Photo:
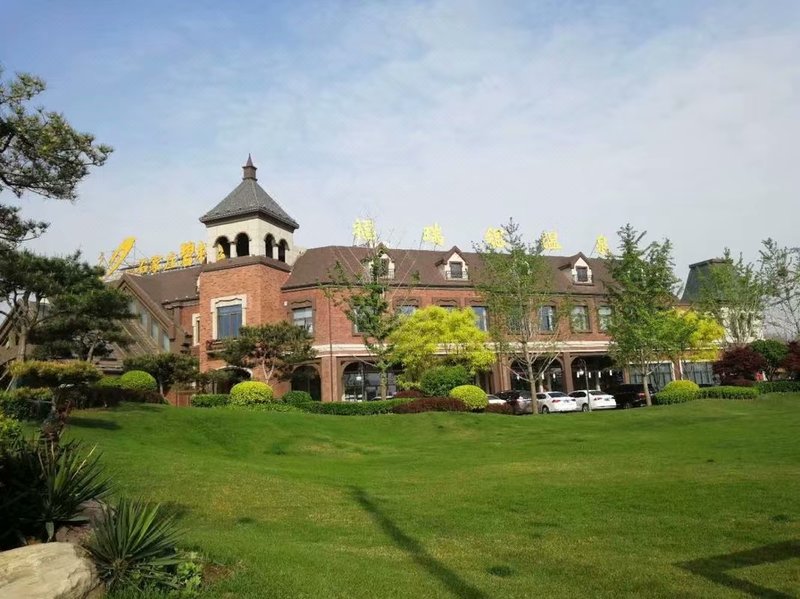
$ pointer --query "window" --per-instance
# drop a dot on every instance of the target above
(304, 318)
(455, 270)
(229, 321)
(448, 307)
(406, 309)
(195, 329)
(165, 341)
(699, 372)
(361, 320)
(604, 317)
(154, 330)
(481, 320)
(582, 274)
(580, 319)
(547, 319)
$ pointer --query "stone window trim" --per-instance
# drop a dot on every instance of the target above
(397, 303)
(196, 329)
(452, 303)
(228, 300)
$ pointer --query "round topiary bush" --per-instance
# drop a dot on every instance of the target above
(681, 386)
(297, 397)
(250, 392)
(138, 380)
(108, 382)
(473, 396)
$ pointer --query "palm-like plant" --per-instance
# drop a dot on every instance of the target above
(134, 544)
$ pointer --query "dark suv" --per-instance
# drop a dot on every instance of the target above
(630, 395)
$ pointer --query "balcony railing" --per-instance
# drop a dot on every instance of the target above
(456, 274)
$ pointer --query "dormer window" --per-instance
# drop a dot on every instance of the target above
(582, 274)
(383, 265)
(456, 270)
(453, 267)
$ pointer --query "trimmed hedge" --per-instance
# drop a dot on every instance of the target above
(41, 373)
(410, 393)
(778, 386)
(10, 432)
(499, 408)
(683, 385)
(664, 398)
(294, 397)
(474, 397)
(351, 408)
(431, 404)
(250, 392)
(108, 382)
(727, 392)
(271, 406)
(138, 380)
(26, 403)
(210, 400)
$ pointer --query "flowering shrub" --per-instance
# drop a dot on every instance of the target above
(474, 397)
(250, 392)
(138, 380)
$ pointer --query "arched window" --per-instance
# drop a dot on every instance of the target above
(283, 247)
(242, 245)
(269, 246)
(306, 378)
(223, 248)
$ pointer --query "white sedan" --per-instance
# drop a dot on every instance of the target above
(599, 400)
(555, 401)
(496, 401)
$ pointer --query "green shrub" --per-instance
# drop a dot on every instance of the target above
(297, 397)
(10, 432)
(39, 373)
(728, 392)
(210, 400)
(778, 386)
(474, 397)
(138, 380)
(26, 403)
(681, 386)
(352, 408)
(250, 392)
(440, 380)
(133, 545)
(663, 398)
(269, 406)
(108, 382)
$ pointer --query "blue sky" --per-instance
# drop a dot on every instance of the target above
(680, 117)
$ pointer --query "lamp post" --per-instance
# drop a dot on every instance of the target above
(586, 379)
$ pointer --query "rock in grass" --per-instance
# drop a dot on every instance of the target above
(47, 571)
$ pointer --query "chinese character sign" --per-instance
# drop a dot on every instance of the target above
(364, 231)
(550, 241)
(601, 246)
(187, 253)
(433, 235)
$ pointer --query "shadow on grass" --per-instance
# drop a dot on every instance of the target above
(454, 583)
(83, 422)
(717, 568)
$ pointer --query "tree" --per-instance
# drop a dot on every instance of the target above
(791, 362)
(39, 152)
(83, 324)
(30, 284)
(364, 293)
(515, 282)
(434, 335)
(167, 368)
(277, 349)
(780, 272)
(691, 335)
(641, 297)
(733, 292)
(774, 353)
(739, 363)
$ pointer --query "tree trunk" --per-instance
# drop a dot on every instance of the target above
(646, 385)
(532, 383)
(384, 384)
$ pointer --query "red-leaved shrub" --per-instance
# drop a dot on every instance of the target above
(431, 404)
(499, 408)
(409, 393)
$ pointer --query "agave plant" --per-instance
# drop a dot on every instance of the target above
(69, 478)
(134, 545)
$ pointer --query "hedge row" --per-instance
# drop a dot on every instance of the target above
(431, 404)
(28, 403)
(778, 386)
(728, 392)
(351, 408)
(210, 400)
(664, 398)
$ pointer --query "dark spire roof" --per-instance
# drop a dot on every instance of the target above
(249, 198)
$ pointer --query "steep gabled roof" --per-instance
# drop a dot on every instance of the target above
(249, 198)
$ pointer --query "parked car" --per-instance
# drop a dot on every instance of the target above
(599, 400)
(520, 400)
(630, 395)
(494, 400)
(555, 401)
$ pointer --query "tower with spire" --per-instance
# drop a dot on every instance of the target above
(248, 222)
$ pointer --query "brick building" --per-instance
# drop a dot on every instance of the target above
(255, 274)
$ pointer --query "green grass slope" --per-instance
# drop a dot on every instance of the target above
(692, 500)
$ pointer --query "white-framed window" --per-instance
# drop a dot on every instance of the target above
(481, 317)
(228, 315)
(604, 318)
(547, 319)
(579, 319)
(195, 329)
(304, 318)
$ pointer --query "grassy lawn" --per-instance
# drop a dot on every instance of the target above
(692, 500)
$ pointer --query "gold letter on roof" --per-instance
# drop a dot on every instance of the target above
(494, 238)
(433, 235)
(550, 241)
